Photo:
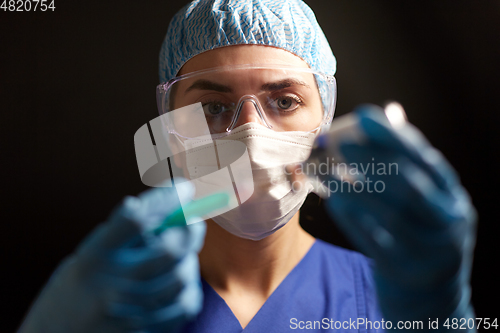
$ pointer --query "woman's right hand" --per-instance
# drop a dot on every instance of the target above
(120, 280)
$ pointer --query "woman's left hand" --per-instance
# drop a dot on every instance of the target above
(413, 217)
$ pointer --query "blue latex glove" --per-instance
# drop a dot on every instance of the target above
(420, 230)
(121, 280)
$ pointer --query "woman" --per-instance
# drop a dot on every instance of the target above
(262, 73)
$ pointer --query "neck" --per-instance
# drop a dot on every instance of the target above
(230, 263)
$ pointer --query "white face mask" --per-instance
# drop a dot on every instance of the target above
(273, 203)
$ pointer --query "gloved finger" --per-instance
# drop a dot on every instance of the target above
(188, 305)
(380, 232)
(159, 256)
(140, 263)
(410, 142)
(417, 255)
(409, 186)
(133, 297)
(139, 291)
(451, 209)
(398, 204)
(181, 240)
(136, 215)
(418, 217)
(108, 234)
(185, 306)
(361, 227)
(156, 205)
(383, 226)
(364, 227)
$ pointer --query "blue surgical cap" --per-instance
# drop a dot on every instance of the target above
(204, 25)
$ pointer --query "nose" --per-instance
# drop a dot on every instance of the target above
(249, 110)
(248, 114)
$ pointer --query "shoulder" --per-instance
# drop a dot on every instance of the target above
(340, 257)
(346, 264)
(350, 273)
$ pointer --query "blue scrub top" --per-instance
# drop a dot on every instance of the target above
(328, 290)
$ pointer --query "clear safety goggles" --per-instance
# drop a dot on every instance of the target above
(279, 97)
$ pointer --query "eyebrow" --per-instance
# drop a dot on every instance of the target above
(273, 86)
(283, 84)
(208, 85)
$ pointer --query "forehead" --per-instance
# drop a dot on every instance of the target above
(242, 55)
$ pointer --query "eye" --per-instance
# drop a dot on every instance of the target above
(284, 103)
(287, 103)
(214, 108)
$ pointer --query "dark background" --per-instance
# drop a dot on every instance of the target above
(78, 82)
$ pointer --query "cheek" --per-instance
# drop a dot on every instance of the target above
(178, 161)
(319, 112)
(316, 116)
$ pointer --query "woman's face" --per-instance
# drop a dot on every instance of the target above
(289, 99)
